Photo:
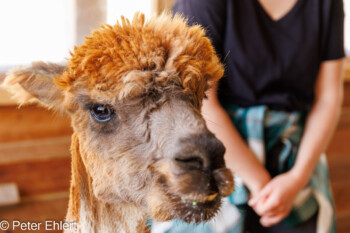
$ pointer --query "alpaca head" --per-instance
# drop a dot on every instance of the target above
(134, 93)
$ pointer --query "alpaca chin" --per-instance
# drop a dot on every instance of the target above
(164, 206)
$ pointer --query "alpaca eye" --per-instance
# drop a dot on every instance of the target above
(101, 112)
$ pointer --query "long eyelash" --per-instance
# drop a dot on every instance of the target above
(88, 106)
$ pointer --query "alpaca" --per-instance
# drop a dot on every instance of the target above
(140, 145)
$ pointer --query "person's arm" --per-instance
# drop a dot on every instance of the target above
(238, 157)
(322, 120)
(275, 201)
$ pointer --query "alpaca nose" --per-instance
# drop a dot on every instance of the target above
(201, 152)
(191, 162)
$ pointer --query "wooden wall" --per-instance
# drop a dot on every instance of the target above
(34, 154)
(338, 154)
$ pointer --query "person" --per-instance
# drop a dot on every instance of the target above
(275, 109)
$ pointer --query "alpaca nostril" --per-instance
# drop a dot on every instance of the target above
(190, 162)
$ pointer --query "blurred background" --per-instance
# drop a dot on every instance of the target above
(34, 143)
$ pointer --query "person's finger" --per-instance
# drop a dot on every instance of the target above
(262, 195)
(273, 212)
(272, 220)
(271, 203)
(252, 201)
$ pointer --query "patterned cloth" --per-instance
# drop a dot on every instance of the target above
(274, 137)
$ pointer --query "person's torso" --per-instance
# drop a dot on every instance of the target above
(273, 63)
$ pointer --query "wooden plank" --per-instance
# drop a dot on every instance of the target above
(339, 144)
(339, 167)
(45, 197)
(340, 182)
(31, 122)
(341, 193)
(347, 70)
(344, 117)
(343, 223)
(346, 101)
(38, 177)
(34, 150)
(36, 212)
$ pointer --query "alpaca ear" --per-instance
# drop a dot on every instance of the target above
(35, 84)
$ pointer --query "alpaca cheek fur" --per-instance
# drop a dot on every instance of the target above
(120, 179)
(116, 174)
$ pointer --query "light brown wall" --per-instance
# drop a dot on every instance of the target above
(158, 6)
(89, 15)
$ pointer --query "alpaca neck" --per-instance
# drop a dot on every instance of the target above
(93, 215)
(110, 218)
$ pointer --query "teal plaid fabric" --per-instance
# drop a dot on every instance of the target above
(274, 137)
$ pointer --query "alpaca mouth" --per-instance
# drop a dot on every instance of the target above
(195, 209)
(199, 200)
(192, 197)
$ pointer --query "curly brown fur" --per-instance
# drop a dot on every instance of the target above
(175, 52)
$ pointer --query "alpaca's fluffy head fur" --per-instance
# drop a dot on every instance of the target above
(130, 58)
(155, 149)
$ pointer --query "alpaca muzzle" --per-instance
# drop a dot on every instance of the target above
(200, 171)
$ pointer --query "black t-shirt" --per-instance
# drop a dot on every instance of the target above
(273, 63)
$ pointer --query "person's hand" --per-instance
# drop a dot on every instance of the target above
(274, 202)
(257, 184)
